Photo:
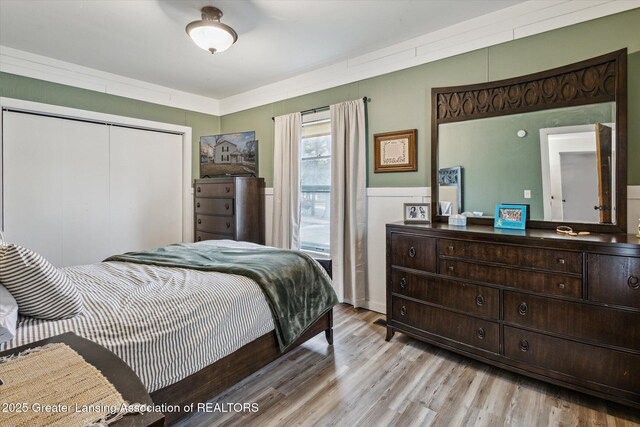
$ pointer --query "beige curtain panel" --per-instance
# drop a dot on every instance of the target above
(348, 201)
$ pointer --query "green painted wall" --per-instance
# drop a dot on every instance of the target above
(402, 100)
(13, 86)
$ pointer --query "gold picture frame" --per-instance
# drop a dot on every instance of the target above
(395, 151)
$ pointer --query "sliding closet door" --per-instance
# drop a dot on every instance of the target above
(145, 189)
(55, 187)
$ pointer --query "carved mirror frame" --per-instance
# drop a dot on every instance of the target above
(596, 80)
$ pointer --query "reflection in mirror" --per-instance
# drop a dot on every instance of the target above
(578, 173)
(450, 191)
(507, 161)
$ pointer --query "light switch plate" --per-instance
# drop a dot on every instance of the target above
(527, 194)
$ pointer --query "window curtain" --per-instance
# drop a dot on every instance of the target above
(348, 201)
(285, 230)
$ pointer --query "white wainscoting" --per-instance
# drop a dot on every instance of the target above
(384, 205)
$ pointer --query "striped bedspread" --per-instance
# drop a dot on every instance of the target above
(165, 323)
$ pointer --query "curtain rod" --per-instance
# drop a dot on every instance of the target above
(326, 107)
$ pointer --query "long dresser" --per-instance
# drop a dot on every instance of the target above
(229, 208)
(557, 308)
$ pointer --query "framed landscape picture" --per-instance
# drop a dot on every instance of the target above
(230, 154)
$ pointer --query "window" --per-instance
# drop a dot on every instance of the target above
(315, 177)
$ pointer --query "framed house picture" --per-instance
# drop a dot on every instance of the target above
(395, 151)
(230, 154)
(417, 213)
(510, 216)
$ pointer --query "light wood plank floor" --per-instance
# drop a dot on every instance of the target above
(364, 381)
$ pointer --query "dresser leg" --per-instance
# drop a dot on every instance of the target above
(390, 333)
(328, 333)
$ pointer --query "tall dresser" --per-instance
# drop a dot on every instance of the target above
(229, 208)
(557, 308)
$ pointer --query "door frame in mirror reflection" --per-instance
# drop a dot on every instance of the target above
(579, 140)
(593, 81)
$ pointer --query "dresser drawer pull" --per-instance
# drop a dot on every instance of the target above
(199, 221)
(199, 238)
(198, 205)
(561, 285)
(522, 309)
(403, 310)
(403, 283)
(481, 333)
(412, 252)
(226, 206)
(524, 345)
(227, 189)
(198, 189)
(479, 300)
(450, 268)
(633, 282)
(560, 260)
(228, 224)
(450, 248)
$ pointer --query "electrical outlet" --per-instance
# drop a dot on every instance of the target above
(527, 194)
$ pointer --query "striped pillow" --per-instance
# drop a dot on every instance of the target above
(38, 287)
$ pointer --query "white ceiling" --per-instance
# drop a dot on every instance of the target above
(146, 39)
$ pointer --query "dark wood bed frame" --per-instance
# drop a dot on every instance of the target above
(231, 369)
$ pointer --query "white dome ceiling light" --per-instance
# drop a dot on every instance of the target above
(209, 34)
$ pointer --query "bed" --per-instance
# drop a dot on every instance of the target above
(188, 334)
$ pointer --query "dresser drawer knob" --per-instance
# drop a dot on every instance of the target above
(524, 345)
(403, 310)
(226, 206)
(403, 283)
(633, 282)
(481, 333)
(450, 248)
(199, 238)
(450, 268)
(227, 189)
(560, 260)
(522, 309)
(198, 189)
(198, 205)
(228, 224)
(199, 221)
(479, 300)
(412, 252)
(561, 285)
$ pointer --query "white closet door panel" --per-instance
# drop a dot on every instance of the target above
(146, 189)
(85, 198)
(55, 187)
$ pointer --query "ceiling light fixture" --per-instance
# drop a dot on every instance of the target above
(209, 34)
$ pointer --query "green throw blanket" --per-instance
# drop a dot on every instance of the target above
(297, 289)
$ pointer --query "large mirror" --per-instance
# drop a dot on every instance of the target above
(554, 141)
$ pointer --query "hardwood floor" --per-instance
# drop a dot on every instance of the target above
(364, 381)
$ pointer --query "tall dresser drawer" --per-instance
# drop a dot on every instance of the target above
(546, 259)
(599, 324)
(215, 206)
(573, 359)
(203, 235)
(614, 280)
(473, 299)
(458, 327)
(554, 284)
(215, 190)
(215, 224)
(413, 251)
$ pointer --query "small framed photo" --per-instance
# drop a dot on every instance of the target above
(417, 213)
(395, 151)
(510, 216)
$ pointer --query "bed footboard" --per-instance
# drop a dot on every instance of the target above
(231, 369)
